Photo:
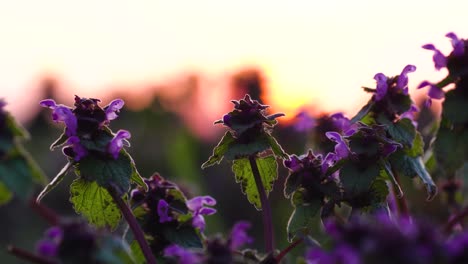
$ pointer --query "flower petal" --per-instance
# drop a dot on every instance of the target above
(440, 61)
(402, 82)
(116, 143)
(163, 211)
(113, 108)
(382, 86)
(457, 44)
(239, 235)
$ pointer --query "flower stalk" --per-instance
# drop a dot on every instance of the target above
(133, 224)
(266, 209)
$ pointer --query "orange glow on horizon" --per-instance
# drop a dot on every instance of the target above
(313, 54)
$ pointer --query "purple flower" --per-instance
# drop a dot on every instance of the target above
(382, 86)
(78, 150)
(61, 113)
(197, 206)
(293, 163)
(402, 81)
(341, 149)
(390, 147)
(434, 92)
(2, 103)
(410, 114)
(113, 108)
(440, 61)
(48, 247)
(303, 122)
(184, 256)
(239, 235)
(163, 211)
(457, 44)
(117, 143)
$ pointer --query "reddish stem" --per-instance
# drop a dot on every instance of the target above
(457, 218)
(266, 210)
(48, 214)
(285, 251)
(133, 224)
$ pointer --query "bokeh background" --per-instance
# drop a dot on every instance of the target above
(177, 64)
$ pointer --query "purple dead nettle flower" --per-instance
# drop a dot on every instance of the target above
(303, 122)
(343, 124)
(197, 206)
(457, 44)
(113, 108)
(78, 150)
(48, 246)
(410, 114)
(239, 235)
(401, 82)
(62, 113)
(183, 255)
(440, 61)
(163, 211)
(341, 149)
(118, 142)
(434, 92)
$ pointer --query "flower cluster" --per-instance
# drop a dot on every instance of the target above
(85, 125)
(384, 240)
(455, 62)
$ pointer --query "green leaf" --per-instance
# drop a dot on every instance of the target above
(5, 194)
(16, 175)
(137, 253)
(58, 178)
(267, 167)
(403, 131)
(276, 148)
(450, 148)
(136, 177)
(98, 143)
(363, 112)
(94, 203)
(185, 236)
(60, 141)
(303, 220)
(15, 128)
(357, 179)
(418, 146)
(239, 150)
(412, 167)
(219, 150)
(454, 107)
(113, 251)
(107, 170)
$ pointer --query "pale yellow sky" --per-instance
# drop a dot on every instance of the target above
(314, 52)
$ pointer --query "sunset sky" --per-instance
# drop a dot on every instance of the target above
(313, 52)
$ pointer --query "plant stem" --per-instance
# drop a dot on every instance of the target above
(133, 224)
(457, 218)
(48, 214)
(266, 210)
(26, 255)
(287, 249)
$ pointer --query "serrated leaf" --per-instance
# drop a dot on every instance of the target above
(303, 220)
(267, 167)
(185, 236)
(219, 150)
(403, 131)
(94, 203)
(5, 194)
(136, 177)
(106, 171)
(57, 179)
(239, 150)
(60, 141)
(418, 146)
(276, 148)
(431, 188)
